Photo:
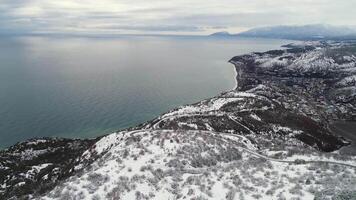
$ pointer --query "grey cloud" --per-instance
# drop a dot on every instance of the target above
(168, 16)
(236, 19)
(162, 28)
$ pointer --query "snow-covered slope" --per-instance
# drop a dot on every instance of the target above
(168, 164)
(36, 165)
(317, 76)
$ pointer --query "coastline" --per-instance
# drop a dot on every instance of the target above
(252, 120)
(237, 75)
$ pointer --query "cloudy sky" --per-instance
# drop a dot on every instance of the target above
(167, 16)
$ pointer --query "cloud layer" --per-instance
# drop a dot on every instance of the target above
(167, 16)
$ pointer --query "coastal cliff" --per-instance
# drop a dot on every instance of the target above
(268, 137)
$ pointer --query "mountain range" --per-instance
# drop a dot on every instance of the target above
(305, 32)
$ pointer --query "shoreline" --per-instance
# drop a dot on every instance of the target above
(261, 117)
(237, 75)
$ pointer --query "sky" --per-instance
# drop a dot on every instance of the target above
(167, 16)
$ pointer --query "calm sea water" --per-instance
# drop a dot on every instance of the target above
(85, 87)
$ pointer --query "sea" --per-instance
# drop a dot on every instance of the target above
(83, 87)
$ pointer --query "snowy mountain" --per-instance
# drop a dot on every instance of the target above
(269, 138)
(302, 32)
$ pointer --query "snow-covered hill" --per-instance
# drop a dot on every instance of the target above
(173, 164)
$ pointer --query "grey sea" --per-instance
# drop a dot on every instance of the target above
(81, 87)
